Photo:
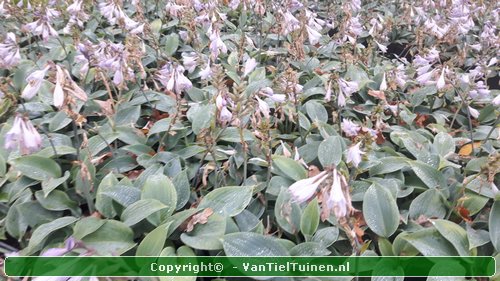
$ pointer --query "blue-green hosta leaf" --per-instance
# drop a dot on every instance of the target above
(310, 249)
(112, 238)
(53, 183)
(252, 244)
(43, 231)
(289, 168)
(183, 189)
(326, 236)
(389, 165)
(160, 187)
(330, 151)
(494, 224)
(86, 226)
(154, 241)
(477, 237)
(455, 234)
(316, 111)
(246, 221)
(430, 242)
(444, 144)
(429, 175)
(140, 210)
(310, 218)
(122, 194)
(201, 117)
(228, 200)
(57, 201)
(429, 204)
(206, 236)
(380, 210)
(36, 167)
(287, 213)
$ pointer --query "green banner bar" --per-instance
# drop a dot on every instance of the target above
(249, 266)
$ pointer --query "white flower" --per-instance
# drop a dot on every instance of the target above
(337, 200)
(382, 48)
(23, 135)
(425, 78)
(304, 189)
(328, 93)
(278, 98)
(58, 90)
(354, 154)
(250, 65)
(383, 84)
(496, 100)
(473, 112)
(441, 83)
(350, 128)
(206, 72)
(34, 80)
(313, 35)
(263, 107)
(345, 90)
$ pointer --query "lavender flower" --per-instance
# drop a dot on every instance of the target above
(481, 91)
(172, 77)
(190, 61)
(69, 245)
(350, 128)
(34, 80)
(24, 136)
(353, 30)
(216, 44)
(304, 189)
(290, 23)
(9, 52)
